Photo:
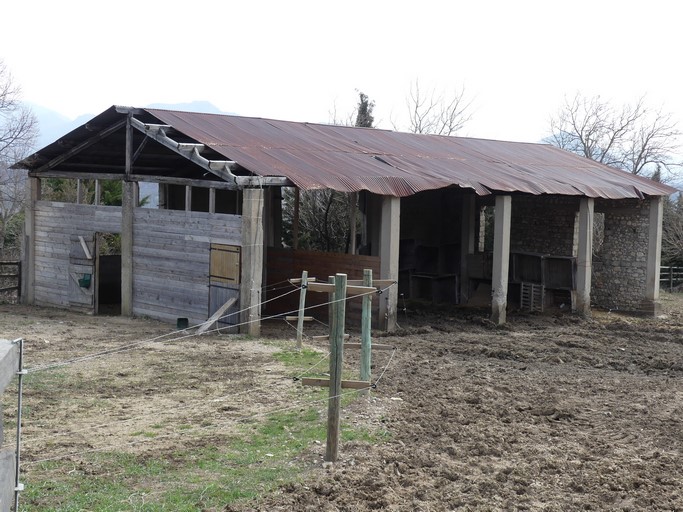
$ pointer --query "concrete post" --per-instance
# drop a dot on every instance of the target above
(651, 303)
(501, 259)
(466, 243)
(390, 222)
(584, 257)
(127, 213)
(28, 264)
(252, 260)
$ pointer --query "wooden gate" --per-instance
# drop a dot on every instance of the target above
(82, 273)
(224, 281)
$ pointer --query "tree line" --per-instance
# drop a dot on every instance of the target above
(635, 138)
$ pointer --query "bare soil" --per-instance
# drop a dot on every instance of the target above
(550, 412)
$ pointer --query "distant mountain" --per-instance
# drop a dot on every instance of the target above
(52, 125)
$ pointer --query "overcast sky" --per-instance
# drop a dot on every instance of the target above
(301, 60)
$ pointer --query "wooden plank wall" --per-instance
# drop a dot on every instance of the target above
(171, 250)
(283, 264)
(55, 224)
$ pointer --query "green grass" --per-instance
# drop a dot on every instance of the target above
(208, 473)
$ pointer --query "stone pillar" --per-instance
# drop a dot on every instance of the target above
(501, 259)
(584, 257)
(651, 304)
(390, 222)
(467, 230)
(28, 263)
(252, 260)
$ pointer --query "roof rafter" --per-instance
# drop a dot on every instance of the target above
(191, 151)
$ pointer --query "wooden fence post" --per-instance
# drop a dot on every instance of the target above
(366, 328)
(336, 365)
(302, 308)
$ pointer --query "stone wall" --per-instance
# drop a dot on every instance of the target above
(9, 364)
(544, 224)
(620, 264)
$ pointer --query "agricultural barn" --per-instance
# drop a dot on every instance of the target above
(452, 220)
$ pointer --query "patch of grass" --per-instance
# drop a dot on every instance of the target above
(206, 473)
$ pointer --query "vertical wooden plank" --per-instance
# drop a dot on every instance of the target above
(98, 192)
(188, 198)
(336, 364)
(212, 200)
(654, 253)
(302, 308)
(366, 327)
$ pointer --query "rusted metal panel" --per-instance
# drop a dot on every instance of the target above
(350, 159)
(347, 159)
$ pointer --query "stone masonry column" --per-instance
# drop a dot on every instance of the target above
(651, 303)
(501, 259)
(584, 257)
(253, 206)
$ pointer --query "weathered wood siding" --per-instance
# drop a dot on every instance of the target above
(55, 225)
(283, 264)
(171, 251)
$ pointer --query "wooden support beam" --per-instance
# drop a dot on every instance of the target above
(336, 367)
(297, 280)
(350, 290)
(366, 330)
(501, 258)
(376, 283)
(216, 316)
(327, 337)
(375, 346)
(295, 318)
(584, 257)
(83, 145)
(345, 384)
(302, 308)
(252, 260)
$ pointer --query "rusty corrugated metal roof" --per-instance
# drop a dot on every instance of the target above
(401, 164)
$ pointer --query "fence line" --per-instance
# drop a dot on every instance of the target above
(6, 275)
(670, 277)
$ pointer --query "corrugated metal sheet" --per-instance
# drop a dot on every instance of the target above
(401, 164)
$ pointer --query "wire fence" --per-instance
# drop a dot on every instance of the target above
(175, 336)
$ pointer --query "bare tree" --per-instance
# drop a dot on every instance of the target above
(18, 129)
(437, 113)
(634, 137)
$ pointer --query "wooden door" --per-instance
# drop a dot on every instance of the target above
(224, 281)
(82, 273)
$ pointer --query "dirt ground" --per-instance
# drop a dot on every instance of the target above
(550, 412)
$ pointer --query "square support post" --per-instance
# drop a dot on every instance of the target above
(127, 215)
(390, 222)
(501, 259)
(466, 243)
(28, 264)
(651, 304)
(584, 257)
(252, 260)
